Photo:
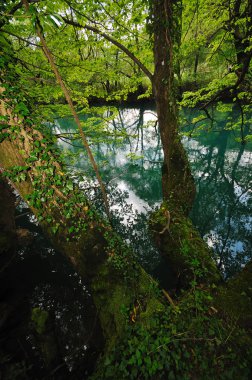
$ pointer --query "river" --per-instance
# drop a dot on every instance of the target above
(129, 155)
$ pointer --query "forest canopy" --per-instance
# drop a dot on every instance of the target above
(103, 49)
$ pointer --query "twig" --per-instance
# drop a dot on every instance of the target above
(23, 214)
(169, 298)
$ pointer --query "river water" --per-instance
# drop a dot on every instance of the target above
(130, 163)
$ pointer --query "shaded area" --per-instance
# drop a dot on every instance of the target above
(48, 326)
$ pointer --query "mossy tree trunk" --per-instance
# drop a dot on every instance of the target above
(177, 182)
(31, 162)
(165, 15)
(241, 32)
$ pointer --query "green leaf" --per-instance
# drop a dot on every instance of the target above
(54, 229)
(70, 186)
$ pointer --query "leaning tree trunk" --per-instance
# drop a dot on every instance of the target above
(68, 98)
(177, 181)
(30, 161)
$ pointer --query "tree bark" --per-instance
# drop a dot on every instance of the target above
(177, 181)
(97, 253)
(72, 108)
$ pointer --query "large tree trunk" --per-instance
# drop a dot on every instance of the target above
(241, 34)
(177, 181)
(94, 250)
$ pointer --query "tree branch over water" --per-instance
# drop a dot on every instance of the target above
(114, 42)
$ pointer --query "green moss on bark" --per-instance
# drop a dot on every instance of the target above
(181, 244)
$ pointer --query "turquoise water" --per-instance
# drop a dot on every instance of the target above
(130, 163)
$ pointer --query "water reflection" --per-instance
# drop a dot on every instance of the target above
(222, 206)
(42, 278)
(131, 161)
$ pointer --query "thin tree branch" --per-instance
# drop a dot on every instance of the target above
(20, 38)
(71, 106)
(114, 42)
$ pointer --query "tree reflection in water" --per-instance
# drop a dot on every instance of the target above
(131, 164)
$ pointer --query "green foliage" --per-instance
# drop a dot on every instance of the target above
(43, 163)
(92, 67)
(179, 346)
(39, 318)
(220, 117)
(133, 156)
(190, 339)
(17, 173)
(120, 256)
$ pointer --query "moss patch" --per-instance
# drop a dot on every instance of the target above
(39, 317)
(180, 242)
(235, 298)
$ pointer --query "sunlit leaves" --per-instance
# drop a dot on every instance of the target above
(90, 65)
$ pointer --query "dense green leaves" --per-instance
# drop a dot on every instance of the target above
(209, 57)
(181, 343)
